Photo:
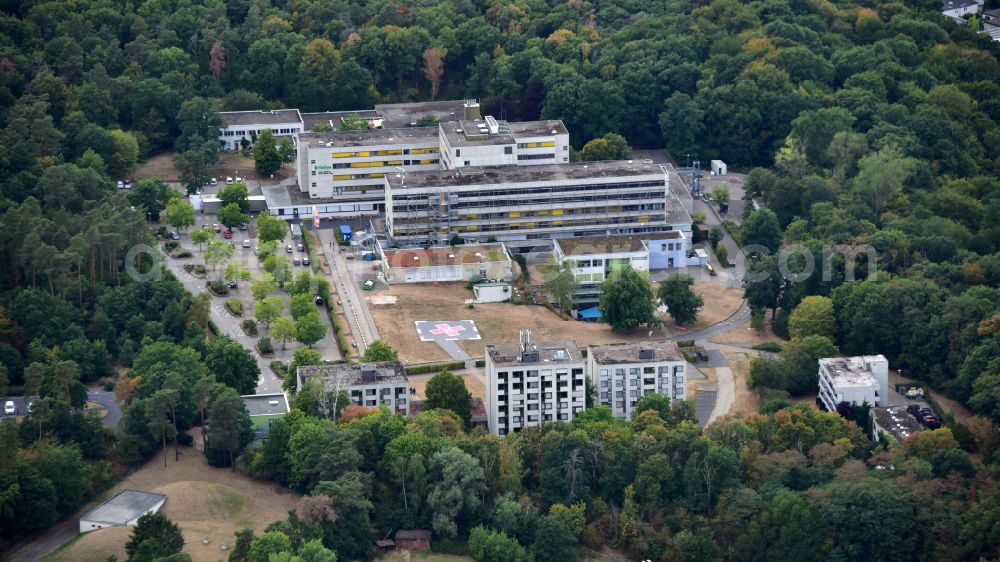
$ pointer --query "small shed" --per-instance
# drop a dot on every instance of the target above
(413, 539)
(494, 291)
(123, 509)
(719, 168)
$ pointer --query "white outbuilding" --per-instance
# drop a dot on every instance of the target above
(123, 509)
(719, 168)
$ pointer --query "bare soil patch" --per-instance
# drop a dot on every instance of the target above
(721, 302)
(497, 322)
(161, 166)
(203, 500)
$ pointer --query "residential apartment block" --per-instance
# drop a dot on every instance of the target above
(371, 385)
(526, 202)
(531, 383)
(245, 126)
(623, 373)
(854, 380)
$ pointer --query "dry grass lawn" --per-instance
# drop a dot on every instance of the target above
(416, 556)
(497, 322)
(743, 336)
(472, 382)
(162, 166)
(203, 500)
(721, 302)
(746, 402)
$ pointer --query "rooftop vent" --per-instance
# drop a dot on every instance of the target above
(645, 353)
(272, 402)
(559, 355)
(529, 356)
(413, 123)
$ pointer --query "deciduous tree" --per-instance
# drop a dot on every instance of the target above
(681, 301)
(447, 391)
(627, 300)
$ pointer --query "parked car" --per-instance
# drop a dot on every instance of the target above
(128, 184)
(246, 243)
(239, 179)
(121, 184)
(296, 261)
(31, 406)
(289, 249)
(216, 227)
(318, 300)
(233, 285)
(229, 180)
(9, 408)
(243, 227)
(213, 181)
(305, 261)
(227, 234)
(647, 161)
(208, 226)
(302, 248)
(175, 236)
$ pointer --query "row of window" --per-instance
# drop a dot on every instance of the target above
(544, 156)
(387, 152)
(256, 132)
(422, 230)
(544, 144)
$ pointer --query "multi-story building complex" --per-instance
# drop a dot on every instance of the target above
(489, 142)
(341, 172)
(855, 380)
(371, 385)
(245, 126)
(625, 372)
(592, 258)
(526, 202)
(533, 383)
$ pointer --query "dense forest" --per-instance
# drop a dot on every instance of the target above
(872, 126)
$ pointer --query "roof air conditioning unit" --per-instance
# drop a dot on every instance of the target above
(272, 402)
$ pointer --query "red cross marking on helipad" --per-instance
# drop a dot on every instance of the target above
(447, 329)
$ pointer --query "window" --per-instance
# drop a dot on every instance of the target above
(508, 150)
(466, 162)
(458, 152)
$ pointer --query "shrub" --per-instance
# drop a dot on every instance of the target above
(279, 368)
(264, 345)
(171, 245)
(722, 253)
(182, 254)
(773, 347)
(235, 306)
(218, 287)
(109, 385)
(435, 368)
(249, 326)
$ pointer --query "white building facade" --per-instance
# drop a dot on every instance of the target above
(371, 385)
(624, 373)
(855, 380)
(533, 383)
(246, 126)
(489, 142)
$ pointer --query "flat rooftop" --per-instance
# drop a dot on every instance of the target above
(486, 175)
(334, 118)
(585, 245)
(549, 353)
(851, 371)
(544, 128)
(278, 196)
(617, 353)
(266, 404)
(262, 117)
(468, 132)
(897, 421)
(446, 255)
(345, 375)
(397, 115)
(124, 507)
(370, 137)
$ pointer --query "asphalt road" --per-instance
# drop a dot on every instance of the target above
(96, 395)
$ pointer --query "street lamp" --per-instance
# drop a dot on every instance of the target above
(149, 218)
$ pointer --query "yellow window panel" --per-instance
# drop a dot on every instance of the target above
(514, 214)
(472, 216)
(543, 212)
(556, 223)
(341, 155)
(394, 163)
(341, 177)
(378, 175)
(557, 212)
(547, 143)
(366, 153)
(473, 227)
